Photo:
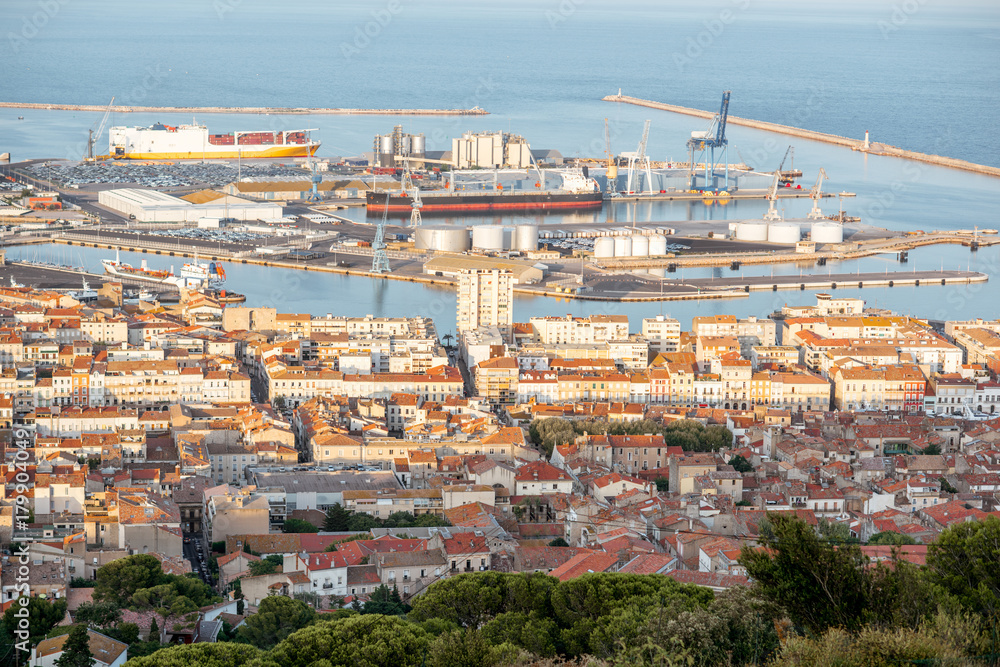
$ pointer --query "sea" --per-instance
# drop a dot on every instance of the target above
(918, 74)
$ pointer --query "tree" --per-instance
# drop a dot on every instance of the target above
(819, 585)
(716, 437)
(98, 614)
(932, 449)
(269, 565)
(835, 532)
(399, 520)
(360, 641)
(946, 485)
(222, 654)
(385, 601)
(361, 521)
(739, 462)
(76, 649)
(889, 538)
(118, 581)
(42, 617)
(559, 542)
(277, 617)
(298, 526)
(336, 518)
(662, 484)
(165, 601)
(963, 564)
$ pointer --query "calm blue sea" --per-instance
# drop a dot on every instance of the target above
(918, 74)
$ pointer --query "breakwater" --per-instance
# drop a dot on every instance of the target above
(475, 111)
(854, 144)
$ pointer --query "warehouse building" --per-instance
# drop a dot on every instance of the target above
(154, 206)
(522, 273)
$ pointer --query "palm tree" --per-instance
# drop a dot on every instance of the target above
(447, 340)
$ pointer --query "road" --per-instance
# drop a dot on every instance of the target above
(191, 554)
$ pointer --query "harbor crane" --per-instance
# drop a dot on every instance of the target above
(612, 173)
(707, 142)
(100, 130)
(380, 261)
(316, 178)
(772, 214)
(640, 160)
(815, 193)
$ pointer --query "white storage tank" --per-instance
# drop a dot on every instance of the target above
(827, 232)
(657, 245)
(623, 246)
(751, 231)
(640, 245)
(444, 238)
(418, 144)
(487, 237)
(385, 144)
(787, 233)
(604, 247)
(525, 238)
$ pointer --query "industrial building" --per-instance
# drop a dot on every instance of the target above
(491, 150)
(284, 190)
(153, 206)
(452, 265)
(486, 299)
(387, 146)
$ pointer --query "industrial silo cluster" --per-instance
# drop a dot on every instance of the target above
(387, 146)
(786, 232)
(486, 238)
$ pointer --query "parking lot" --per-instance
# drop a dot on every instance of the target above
(219, 235)
(208, 174)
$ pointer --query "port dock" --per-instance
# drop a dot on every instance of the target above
(853, 144)
(475, 111)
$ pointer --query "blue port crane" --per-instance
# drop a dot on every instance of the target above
(702, 147)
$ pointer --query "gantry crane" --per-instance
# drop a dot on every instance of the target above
(639, 160)
(816, 193)
(772, 214)
(709, 141)
(380, 261)
(612, 173)
(100, 130)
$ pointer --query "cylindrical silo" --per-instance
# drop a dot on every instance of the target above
(623, 246)
(385, 143)
(418, 145)
(640, 245)
(751, 231)
(404, 144)
(604, 247)
(442, 238)
(657, 245)
(787, 233)
(827, 232)
(487, 237)
(525, 238)
(508, 238)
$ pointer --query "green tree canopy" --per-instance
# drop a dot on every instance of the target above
(42, 617)
(118, 580)
(889, 538)
(277, 617)
(298, 526)
(356, 641)
(267, 565)
(336, 518)
(98, 614)
(739, 462)
(222, 654)
(76, 649)
(386, 601)
(963, 563)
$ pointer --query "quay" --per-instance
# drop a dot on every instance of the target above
(854, 144)
(781, 193)
(475, 111)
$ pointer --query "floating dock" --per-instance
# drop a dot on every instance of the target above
(475, 111)
(853, 144)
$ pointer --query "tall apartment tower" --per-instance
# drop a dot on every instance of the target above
(485, 299)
